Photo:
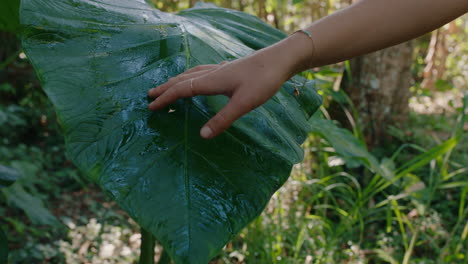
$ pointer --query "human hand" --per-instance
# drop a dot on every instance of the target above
(248, 82)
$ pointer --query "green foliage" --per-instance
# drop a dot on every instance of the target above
(32, 147)
(353, 151)
(27, 164)
(192, 194)
(7, 176)
(310, 219)
(334, 209)
(333, 214)
(31, 205)
(9, 15)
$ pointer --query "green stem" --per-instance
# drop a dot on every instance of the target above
(147, 247)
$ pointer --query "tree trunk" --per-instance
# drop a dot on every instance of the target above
(379, 89)
(436, 58)
(241, 5)
(192, 3)
(261, 11)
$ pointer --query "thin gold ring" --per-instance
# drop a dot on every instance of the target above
(191, 84)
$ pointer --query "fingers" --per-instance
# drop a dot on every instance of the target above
(201, 68)
(205, 67)
(155, 92)
(192, 73)
(204, 85)
(180, 90)
(189, 85)
(202, 80)
(224, 119)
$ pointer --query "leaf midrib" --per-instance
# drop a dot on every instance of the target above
(188, 103)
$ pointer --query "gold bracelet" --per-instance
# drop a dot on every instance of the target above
(303, 31)
(309, 35)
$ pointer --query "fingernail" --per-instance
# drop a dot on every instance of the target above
(206, 132)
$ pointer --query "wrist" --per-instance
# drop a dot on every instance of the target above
(293, 54)
(286, 58)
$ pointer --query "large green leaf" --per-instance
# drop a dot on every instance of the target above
(247, 28)
(96, 60)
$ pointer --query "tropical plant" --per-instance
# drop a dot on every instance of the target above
(97, 59)
(343, 203)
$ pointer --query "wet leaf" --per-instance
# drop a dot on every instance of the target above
(97, 59)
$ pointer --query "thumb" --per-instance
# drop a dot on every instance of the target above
(224, 119)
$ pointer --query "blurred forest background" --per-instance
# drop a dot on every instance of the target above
(400, 111)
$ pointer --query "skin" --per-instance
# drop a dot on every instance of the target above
(364, 27)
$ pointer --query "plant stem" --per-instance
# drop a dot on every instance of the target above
(147, 247)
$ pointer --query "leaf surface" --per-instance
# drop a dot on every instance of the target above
(96, 60)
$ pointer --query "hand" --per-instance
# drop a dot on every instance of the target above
(248, 82)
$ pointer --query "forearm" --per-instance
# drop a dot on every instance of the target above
(251, 81)
(364, 27)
